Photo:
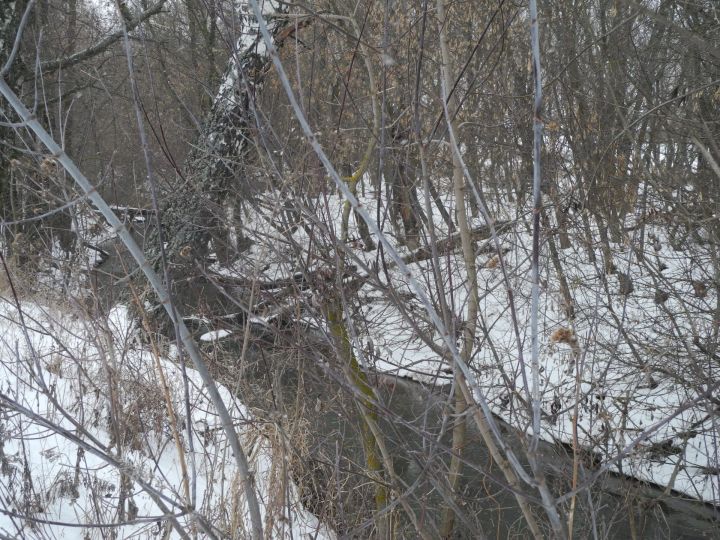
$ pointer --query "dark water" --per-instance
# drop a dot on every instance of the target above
(308, 399)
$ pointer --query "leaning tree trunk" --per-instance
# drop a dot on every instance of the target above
(194, 213)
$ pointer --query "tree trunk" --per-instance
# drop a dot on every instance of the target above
(192, 214)
(368, 411)
(470, 323)
(10, 14)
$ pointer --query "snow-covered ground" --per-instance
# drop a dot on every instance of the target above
(82, 400)
(629, 368)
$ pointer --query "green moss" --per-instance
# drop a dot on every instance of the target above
(338, 329)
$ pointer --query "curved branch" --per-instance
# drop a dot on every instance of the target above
(18, 34)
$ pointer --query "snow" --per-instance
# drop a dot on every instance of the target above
(60, 447)
(215, 335)
(632, 364)
(248, 40)
(614, 391)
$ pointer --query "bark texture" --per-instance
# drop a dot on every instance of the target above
(217, 172)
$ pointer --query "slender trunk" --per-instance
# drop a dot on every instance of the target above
(480, 413)
(367, 409)
(459, 427)
(568, 303)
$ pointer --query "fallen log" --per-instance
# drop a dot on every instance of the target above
(304, 280)
(451, 243)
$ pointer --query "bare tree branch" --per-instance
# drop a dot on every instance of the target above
(102, 45)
